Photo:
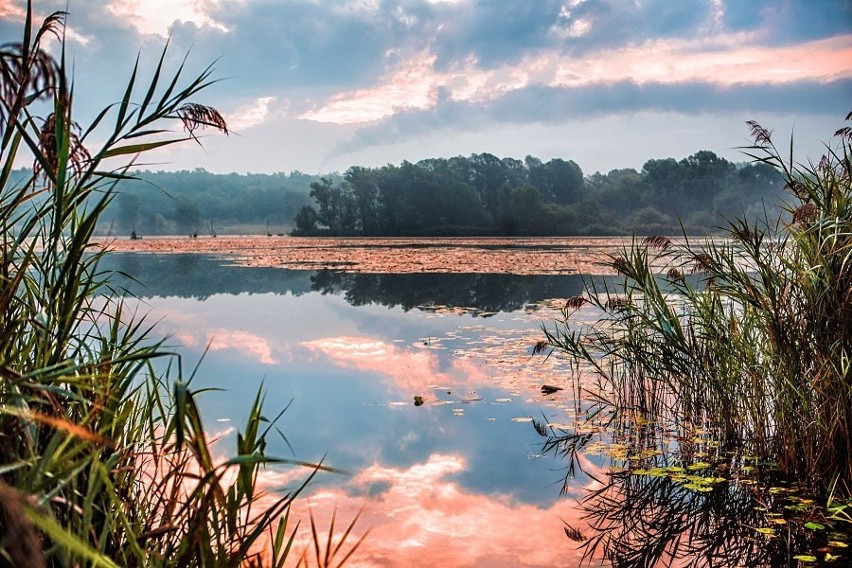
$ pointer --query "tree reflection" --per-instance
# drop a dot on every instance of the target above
(200, 276)
(482, 294)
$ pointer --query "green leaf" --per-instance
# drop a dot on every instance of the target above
(65, 539)
(814, 526)
(138, 148)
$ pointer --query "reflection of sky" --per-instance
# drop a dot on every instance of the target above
(456, 477)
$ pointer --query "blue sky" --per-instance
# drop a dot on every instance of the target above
(321, 85)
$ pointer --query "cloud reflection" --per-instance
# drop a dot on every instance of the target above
(410, 370)
(419, 516)
(249, 344)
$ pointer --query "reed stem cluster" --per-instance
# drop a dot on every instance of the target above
(104, 459)
(749, 334)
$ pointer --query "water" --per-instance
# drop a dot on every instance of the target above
(426, 389)
(457, 481)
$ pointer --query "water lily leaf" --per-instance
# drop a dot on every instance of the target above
(697, 466)
(698, 488)
(805, 558)
(766, 530)
(814, 526)
(837, 544)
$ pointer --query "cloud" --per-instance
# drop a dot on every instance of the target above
(724, 62)
(158, 16)
(790, 21)
(443, 65)
(553, 106)
(249, 115)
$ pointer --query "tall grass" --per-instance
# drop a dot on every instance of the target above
(749, 334)
(103, 461)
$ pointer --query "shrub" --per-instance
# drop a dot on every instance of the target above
(751, 333)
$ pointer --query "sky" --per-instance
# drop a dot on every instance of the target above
(318, 86)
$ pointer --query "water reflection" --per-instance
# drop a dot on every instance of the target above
(488, 471)
(199, 277)
(456, 481)
(656, 508)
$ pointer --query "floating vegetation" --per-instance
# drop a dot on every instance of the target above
(654, 507)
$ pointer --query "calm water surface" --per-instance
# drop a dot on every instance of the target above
(456, 481)
(425, 389)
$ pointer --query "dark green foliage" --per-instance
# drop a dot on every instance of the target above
(486, 195)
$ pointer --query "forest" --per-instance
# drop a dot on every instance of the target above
(476, 195)
(486, 195)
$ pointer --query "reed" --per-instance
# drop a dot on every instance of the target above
(750, 334)
(104, 460)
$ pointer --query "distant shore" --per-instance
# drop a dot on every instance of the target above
(498, 255)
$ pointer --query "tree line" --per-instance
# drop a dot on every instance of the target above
(476, 195)
(189, 202)
(486, 195)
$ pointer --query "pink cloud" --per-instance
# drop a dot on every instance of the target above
(721, 60)
(412, 85)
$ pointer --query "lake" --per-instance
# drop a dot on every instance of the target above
(423, 384)
(456, 481)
